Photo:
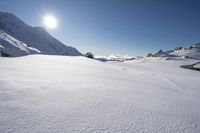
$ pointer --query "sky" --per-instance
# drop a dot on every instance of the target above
(103, 27)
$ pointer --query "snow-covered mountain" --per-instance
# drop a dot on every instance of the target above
(188, 52)
(17, 38)
(192, 52)
(14, 47)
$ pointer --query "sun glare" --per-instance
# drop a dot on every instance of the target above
(50, 21)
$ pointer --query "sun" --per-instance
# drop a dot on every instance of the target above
(50, 21)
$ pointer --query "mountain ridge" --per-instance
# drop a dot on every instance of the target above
(191, 51)
(35, 37)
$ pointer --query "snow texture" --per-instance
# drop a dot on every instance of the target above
(43, 93)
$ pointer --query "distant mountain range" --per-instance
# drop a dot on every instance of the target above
(18, 39)
(189, 52)
(192, 52)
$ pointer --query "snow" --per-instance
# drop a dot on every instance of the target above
(43, 93)
(1, 46)
(114, 57)
(197, 65)
(193, 53)
(14, 47)
(189, 52)
(36, 38)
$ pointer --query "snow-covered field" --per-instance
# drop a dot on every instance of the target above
(41, 93)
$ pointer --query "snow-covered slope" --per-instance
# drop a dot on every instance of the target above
(192, 52)
(14, 47)
(35, 37)
(41, 93)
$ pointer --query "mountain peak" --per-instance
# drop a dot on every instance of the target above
(34, 37)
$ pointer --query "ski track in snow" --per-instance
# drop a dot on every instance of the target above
(74, 94)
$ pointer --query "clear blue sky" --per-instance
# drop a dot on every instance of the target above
(133, 27)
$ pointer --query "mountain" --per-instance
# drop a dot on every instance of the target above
(17, 38)
(14, 47)
(192, 52)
